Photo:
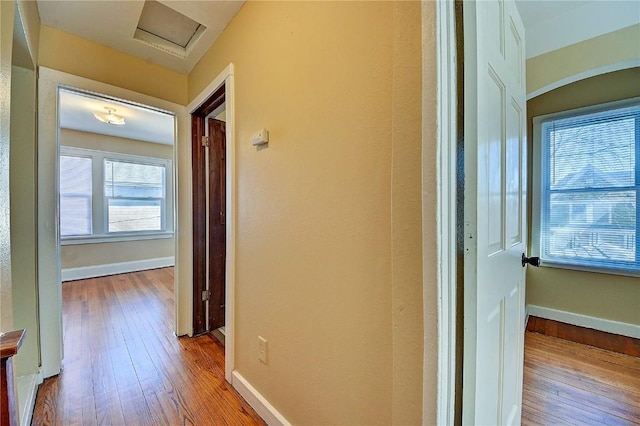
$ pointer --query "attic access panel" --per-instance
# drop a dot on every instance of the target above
(167, 29)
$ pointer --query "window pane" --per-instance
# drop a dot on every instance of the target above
(75, 195)
(135, 196)
(133, 180)
(591, 155)
(595, 226)
(590, 185)
(129, 215)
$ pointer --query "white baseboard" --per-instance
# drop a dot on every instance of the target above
(27, 390)
(259, 403)
(83, 272)
(615, 327)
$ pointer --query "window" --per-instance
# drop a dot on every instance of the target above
(589, 184)
(134, 195)
(75, 195)
(106, 195)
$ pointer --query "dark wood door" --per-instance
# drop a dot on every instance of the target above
(217, 218)
(201, 228)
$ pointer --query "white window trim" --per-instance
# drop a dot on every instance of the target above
(99, 216)
(536, 193)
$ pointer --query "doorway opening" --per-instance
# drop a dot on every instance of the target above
(209, 181)
(116, 195)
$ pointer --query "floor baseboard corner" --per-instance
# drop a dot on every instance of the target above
(27, 391)
(259, 403)
(600, 324)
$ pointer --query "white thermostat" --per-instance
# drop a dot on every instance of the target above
(260, 138)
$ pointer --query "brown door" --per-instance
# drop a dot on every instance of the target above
(201, 227)
(217, 228)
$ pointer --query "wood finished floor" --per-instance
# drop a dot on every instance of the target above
(123, 365)
(568, 383)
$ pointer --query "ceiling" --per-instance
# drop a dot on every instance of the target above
(144, 124)
(114, 24)
(549, 25)
(554, 24)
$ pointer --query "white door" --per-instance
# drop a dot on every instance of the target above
(495, 212)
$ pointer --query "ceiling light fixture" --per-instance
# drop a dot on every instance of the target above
(109, 117)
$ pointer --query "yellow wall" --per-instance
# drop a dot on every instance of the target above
(78, 139)
(66, 52)
(316, 242)
(79, 255)
(618, 47)
(23, 217)
(6, 42)
(611, 297)
(406, 215)
(75, 256)
(31, 21)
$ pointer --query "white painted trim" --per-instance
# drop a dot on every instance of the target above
(583, 75)
(27, 391)
(115, 238)
(83, 272)
(259, 403)
(226, 77)
(446, 212)
(210, 89)
(49, 269)
(601, 324)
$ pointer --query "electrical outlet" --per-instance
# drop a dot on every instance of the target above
(262, 349)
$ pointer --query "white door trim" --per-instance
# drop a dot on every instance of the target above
(446, 207)
(49, 279)
(185, 260)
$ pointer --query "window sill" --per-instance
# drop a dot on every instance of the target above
(115, 238)
(593, 269)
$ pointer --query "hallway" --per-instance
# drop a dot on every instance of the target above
(122, 364)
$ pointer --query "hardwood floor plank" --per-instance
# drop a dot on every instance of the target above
(587, 336)
(124, 366)
(572, 383)
(595, 353)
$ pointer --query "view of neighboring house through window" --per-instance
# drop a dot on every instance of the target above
(106, 194)
(589, 187)
(134, 195)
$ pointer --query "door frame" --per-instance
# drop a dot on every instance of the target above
(446, 210)
(49, 268)
(185, 254)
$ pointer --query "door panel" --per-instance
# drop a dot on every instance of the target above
(217, 229)
(495, 102)
(495, 213)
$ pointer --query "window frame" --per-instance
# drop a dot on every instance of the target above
(100, 207)
(538, 179)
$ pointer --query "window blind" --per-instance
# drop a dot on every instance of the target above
(75, 195)
(590, 187)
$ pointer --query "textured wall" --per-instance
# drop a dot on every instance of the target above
(316, 238)
(6, 42)
(66, 52)
(23, 217)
